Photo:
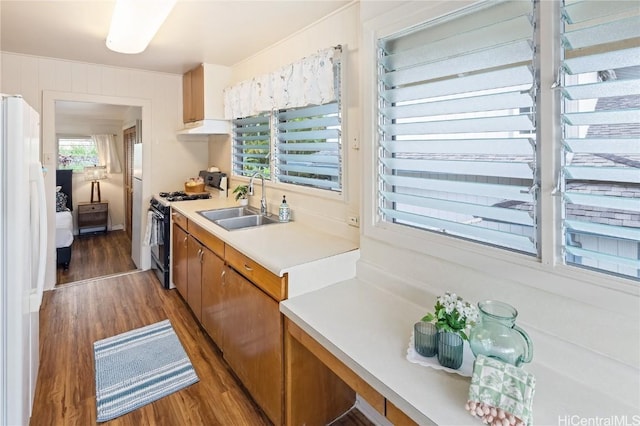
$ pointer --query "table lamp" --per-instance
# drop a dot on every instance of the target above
(95, 174)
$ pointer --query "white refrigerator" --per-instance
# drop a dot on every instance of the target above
(23, 239)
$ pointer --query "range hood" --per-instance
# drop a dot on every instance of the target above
(206, 127)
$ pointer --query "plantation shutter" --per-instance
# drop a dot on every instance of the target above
(601, 135)
(457, 131)
(251, 145)
(308, 146)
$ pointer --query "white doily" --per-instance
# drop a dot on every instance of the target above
(466, 369)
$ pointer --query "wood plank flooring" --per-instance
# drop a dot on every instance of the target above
(96, 256)
(74, 316)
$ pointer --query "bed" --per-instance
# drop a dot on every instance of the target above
(64, 219)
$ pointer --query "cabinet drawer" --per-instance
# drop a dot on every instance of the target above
(270, 283)
(179, 219)
(92, 208)
(212, 242)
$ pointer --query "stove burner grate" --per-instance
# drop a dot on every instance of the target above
(183, 196)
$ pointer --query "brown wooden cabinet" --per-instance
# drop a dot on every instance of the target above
(179, 259)
(213, 306)
(237, 302)
(195, 259)
(92, 217)
(193, 95)
(252, 342)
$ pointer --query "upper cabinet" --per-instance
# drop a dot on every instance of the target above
(193, 95)
(203, 100)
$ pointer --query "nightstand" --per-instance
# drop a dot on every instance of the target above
(92, 217)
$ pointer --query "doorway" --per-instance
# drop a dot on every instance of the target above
(107, 251)
(130, 139)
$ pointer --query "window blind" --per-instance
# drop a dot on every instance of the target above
(601, 135)
(308, 146)
(457, 128)
(252, 145)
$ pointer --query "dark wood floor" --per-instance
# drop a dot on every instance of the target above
(74, 316)
(96, 256)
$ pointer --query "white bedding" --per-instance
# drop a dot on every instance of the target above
(64, 229)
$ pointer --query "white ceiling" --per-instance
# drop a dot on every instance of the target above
(220, 32)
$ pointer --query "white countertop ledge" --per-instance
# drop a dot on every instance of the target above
(280, 248)
(368, 329)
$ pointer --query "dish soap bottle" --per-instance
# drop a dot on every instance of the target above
(284, 212)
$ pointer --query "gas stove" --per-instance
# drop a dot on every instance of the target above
(183, 196)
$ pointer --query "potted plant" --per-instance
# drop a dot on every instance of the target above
(453, 317)
(242, 194)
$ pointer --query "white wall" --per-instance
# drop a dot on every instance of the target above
(167, 162)
(327, 210)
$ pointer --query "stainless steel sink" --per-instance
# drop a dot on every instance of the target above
(227, 213)
(249, 221)
(232, 218)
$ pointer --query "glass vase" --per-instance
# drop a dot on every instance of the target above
(497, 336)
(450, 347)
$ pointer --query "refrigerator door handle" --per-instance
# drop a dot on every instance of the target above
(36, 174)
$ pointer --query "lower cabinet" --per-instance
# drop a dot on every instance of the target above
(195, 256)
(252, 342)
(238, 310)
(213, 303)
(180, 261)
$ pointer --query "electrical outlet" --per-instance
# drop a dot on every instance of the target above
(353, 221)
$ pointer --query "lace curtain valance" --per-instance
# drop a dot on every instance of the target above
(309, 81)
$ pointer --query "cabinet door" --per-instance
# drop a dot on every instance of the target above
(187, 100)
(253, 342)
(195, 253)
(212, 296)
(180, 260)
(197, 93)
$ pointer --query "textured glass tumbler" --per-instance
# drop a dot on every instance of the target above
(450, 350)
(425, 336)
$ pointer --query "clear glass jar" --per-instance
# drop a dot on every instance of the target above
(496, 335)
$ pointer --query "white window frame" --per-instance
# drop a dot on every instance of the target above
(67, 137)
(510, 266)
(316, 191)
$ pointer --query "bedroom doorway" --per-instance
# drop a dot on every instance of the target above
(104, 252)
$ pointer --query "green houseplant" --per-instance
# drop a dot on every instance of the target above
(241, 193)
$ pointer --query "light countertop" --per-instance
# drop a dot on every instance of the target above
(368, 329)
(278, 247)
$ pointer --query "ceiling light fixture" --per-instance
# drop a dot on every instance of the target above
(135, 22)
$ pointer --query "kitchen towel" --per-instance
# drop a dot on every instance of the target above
(150, 233)
(501, 394)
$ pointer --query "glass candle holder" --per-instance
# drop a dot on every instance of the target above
(450, 350)
(425, 336)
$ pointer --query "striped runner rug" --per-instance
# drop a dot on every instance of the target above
(139, 367)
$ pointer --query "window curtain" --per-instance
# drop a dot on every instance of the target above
(107, 152)
(309, 81)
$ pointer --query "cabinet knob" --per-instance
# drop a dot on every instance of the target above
(248, 268)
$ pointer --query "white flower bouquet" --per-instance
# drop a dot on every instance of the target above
(453, 314)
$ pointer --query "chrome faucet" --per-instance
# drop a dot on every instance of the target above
(263, 200)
